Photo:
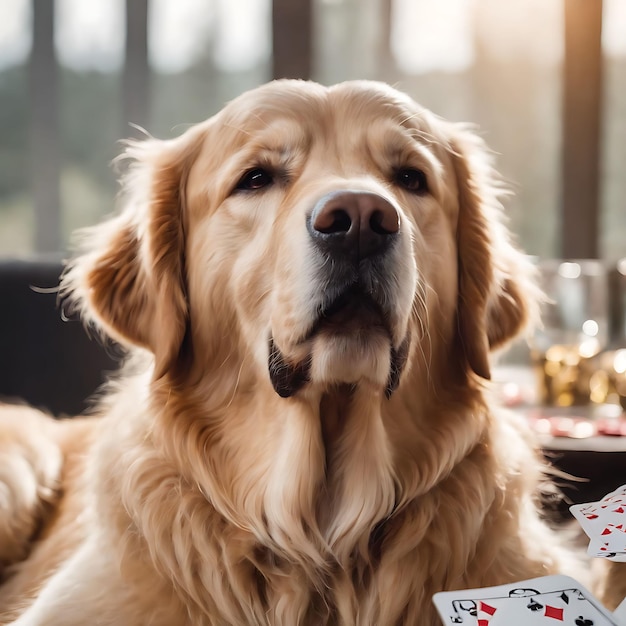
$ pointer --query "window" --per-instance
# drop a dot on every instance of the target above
(613, 158)
(497, 64)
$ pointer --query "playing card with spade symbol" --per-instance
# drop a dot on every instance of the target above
(549, 600)
(602, 549)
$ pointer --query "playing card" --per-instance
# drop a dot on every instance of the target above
(549, 601)
(604, 522)
(613, 536)
(602, 550)
(594, 516)
(612, 496)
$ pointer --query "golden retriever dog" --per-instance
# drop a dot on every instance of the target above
(309, 285)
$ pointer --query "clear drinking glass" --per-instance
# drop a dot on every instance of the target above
(575, 330)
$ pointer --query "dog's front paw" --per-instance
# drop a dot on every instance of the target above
(30, 464)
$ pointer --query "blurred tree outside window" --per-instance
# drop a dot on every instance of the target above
(496, 64)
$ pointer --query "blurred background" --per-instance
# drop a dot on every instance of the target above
(544, 80)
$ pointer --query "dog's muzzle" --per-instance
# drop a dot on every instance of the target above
(353, 233)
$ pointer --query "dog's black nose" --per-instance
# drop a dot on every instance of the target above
(354, 223)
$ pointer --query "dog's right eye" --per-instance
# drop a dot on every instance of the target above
(411, 179)
(255, 179)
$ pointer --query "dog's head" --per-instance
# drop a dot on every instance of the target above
(305, 237)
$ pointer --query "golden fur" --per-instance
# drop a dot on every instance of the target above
(360, 472)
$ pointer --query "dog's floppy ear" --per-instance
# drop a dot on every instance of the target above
(497, 297)
(128, 280)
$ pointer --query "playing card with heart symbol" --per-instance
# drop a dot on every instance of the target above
(604, 522)
(602, 550)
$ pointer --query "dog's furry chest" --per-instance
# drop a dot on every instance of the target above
(228, 572)
(324, 543)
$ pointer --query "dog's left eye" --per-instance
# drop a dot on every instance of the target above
(410, 179)
(255, 179)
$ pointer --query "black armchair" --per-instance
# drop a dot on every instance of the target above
(45, 361)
